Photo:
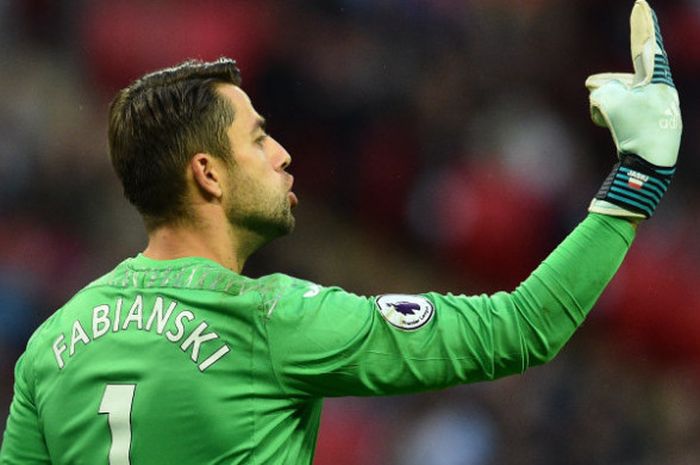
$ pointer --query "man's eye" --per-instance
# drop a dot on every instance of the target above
(260, 140)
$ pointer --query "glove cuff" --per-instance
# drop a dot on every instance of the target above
(636, 185)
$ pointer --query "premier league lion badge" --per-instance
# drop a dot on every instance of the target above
(407, 312)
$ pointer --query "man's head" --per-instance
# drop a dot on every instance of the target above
(175, 131)
(158, 123)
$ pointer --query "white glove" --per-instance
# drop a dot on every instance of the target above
(642, 112)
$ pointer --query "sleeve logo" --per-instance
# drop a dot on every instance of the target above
(313, 291)
(407, 312)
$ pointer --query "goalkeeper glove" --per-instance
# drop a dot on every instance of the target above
(642, 112)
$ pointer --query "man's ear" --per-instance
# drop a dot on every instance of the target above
(207, 174)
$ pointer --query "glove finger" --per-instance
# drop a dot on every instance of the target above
(604, 101)
(648, 53)
(597, 115)
(595, 81)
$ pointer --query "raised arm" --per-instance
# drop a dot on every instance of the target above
(335, 343)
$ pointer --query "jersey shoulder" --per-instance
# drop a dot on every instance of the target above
(47, 326)
(291, 299)
(282, 285)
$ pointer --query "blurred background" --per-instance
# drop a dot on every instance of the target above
(437, 144)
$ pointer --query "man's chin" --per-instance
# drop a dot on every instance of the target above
(274, 230)
(288, 226)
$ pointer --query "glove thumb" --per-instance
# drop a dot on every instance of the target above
(608, 92)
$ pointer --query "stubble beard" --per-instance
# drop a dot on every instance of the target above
(265, 214)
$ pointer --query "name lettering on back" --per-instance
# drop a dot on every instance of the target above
(167, 318)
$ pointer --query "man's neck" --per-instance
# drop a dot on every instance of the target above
(189, 240)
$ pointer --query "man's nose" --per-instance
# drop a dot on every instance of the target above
(285, 157)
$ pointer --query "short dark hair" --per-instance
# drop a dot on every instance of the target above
(158, 123)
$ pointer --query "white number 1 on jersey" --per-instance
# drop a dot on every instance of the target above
(116, 403)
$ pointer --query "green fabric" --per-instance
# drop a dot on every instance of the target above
(290, 343)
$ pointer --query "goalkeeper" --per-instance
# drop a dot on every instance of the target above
(174, 357)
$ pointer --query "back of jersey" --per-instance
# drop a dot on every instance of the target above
(154, 350)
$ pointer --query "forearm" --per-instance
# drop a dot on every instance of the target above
(558, 295)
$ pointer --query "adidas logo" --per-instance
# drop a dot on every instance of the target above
(672, 120)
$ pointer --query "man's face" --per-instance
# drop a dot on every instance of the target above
(259, 197)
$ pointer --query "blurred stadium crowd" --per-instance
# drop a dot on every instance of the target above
(437, 144)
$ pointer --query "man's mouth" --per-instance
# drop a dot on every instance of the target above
(293, 200)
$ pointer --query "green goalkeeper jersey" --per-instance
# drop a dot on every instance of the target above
(185, 362)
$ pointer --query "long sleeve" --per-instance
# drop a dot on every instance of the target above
(23, 442)
(327, 342)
